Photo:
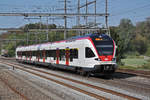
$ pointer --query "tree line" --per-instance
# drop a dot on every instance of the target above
(132, 39)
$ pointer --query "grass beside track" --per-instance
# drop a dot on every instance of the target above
(141, 63)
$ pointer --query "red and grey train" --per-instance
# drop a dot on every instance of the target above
(92, 53)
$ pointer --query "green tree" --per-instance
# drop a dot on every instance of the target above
(143, 28)
(140, 44)
(126, 33)
(119, 42)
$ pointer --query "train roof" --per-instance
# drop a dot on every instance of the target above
(92, 35)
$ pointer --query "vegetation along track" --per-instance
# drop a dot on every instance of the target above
(13, 89)
(75, 81)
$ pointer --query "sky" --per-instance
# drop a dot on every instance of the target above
(136, 10)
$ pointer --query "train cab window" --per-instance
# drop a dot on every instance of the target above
(17, 53)
(89, 53)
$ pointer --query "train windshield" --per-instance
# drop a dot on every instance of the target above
(104, 47)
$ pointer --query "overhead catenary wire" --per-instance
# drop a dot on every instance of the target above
(130, 10)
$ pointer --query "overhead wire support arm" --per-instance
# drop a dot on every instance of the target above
(58, 29)
(52, 14)
(87, 4)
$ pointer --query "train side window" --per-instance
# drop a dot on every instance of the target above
(53, 54)
(89, 53)
(47, 53)
(63, 54)
(41, 54)
(75, 53)
(26, 53)
(34, 53)
(30, 52)
(60, 54)
(22, 53)
(38, 54)
(71, 55)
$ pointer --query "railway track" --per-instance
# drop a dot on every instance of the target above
(125, 71)
(127, 83)
(75, 81)
(13, 89)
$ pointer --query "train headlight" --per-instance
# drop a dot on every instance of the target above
(97, 59)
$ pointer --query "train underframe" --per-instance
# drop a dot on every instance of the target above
(105, 69)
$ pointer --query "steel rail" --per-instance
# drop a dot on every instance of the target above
(13, 89)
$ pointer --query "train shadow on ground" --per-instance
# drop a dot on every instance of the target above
(116, 75)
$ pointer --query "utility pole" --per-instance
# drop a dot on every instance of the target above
(15, 39)
(65, 17)
(86, 18)
(47, 31)
(95, 12)
(106, 17)
(27, 36)
(78, 18)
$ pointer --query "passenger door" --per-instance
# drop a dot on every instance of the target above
(57, 56)
(89, 57)
(67, 56)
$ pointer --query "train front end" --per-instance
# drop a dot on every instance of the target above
(106, 49)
